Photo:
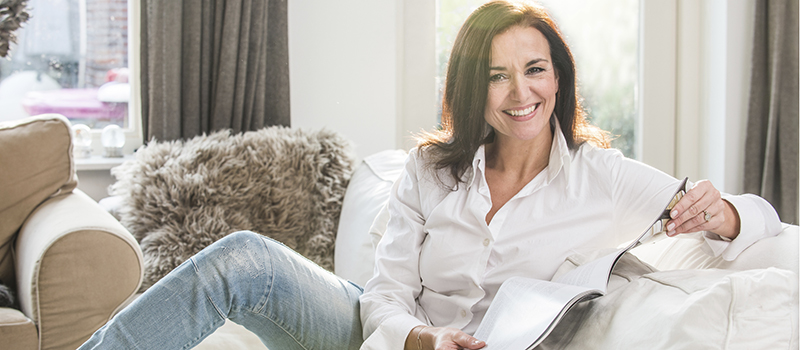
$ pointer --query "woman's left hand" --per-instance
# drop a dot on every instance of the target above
(703, 209)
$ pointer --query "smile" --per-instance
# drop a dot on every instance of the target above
(522, 112)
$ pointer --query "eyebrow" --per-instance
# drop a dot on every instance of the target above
(532, 62)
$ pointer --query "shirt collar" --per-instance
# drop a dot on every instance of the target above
(560, 158)
(478, 165)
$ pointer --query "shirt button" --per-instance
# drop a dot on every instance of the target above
(486, 242)
(463, 313)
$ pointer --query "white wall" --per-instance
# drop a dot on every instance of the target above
(364, 68)
(344, 69)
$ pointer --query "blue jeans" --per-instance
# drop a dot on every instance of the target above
(284, 298)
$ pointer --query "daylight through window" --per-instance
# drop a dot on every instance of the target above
(71, 58)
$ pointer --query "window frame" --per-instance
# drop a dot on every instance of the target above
(133, 130)
(656, 133)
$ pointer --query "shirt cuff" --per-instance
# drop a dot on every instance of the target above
(757, 220)
(392, 333)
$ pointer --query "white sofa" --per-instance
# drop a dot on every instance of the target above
(776, 257)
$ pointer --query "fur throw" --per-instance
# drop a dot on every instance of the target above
(179, 197)
(6, 297)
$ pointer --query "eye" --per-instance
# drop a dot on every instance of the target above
(534, 70)
(497, 78)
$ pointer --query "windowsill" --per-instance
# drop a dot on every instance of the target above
(99, 162)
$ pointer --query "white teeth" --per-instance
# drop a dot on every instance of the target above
(519, 113)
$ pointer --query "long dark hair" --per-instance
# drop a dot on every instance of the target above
(464, 128)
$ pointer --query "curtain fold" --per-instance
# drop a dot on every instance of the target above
(209, 65)
(771, 150)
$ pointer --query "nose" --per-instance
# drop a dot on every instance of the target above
(520, 90)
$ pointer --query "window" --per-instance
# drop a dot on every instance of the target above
(72, 58)
(603, 36)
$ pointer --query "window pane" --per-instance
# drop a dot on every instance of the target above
(603, 36)
(71, 58)
(452, 14)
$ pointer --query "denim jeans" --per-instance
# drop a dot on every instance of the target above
(284, 298)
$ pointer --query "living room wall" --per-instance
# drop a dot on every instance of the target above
(343, 69)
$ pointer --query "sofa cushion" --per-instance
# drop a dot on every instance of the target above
(683, 309)
(37, 164)
(179, 197)
(17, 331)
(366, 194)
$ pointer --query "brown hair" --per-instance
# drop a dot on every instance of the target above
(464, 128)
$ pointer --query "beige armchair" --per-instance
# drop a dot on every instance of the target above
(71, 263)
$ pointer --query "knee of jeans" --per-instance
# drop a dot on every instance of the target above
(241, 252)
(239, 237)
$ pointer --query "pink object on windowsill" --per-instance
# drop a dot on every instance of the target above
(73, 104)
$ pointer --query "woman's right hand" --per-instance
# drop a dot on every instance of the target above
(441, 338)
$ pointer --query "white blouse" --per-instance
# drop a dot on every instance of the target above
(440, 264)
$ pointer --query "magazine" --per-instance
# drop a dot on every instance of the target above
(525, 310)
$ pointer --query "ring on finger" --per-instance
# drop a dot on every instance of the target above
(706, 215)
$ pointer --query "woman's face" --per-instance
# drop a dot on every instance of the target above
(522, 85)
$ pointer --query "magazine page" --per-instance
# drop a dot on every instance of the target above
(593, 274)
(525, 310)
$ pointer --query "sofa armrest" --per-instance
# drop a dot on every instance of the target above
(685, 252)
(75, 266)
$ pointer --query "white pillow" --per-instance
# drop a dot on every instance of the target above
(367, 192)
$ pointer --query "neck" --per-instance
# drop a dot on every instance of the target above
(522, 159)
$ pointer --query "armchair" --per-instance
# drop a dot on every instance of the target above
(71, 263)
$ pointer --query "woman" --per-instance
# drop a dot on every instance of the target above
(512, 185)
(515, 182)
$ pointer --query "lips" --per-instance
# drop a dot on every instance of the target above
(519, 113)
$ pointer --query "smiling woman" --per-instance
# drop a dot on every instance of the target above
(486, 55)
(522, 87)
(603, 35)
(520, 103)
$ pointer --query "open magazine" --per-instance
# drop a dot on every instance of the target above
(525, 310)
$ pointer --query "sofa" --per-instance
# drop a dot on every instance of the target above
(755, 296)
(70, 264)
(356, 194)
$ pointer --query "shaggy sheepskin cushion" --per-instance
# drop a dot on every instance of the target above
(179, 197)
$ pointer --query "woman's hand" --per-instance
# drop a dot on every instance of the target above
(703, 209)
(439, 338)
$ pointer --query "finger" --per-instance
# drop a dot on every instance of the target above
(716, 217)
(448, 338)
(468, 342)
(696, 200)
(691, 220)
(700, 197)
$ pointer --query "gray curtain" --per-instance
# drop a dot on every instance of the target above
(771, 152)
(209, 65)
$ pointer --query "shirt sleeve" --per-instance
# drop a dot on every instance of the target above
(641, 192)
(757, 220)
(389, 310)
